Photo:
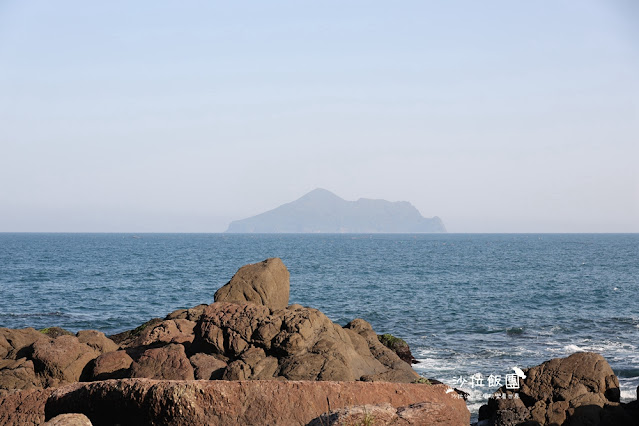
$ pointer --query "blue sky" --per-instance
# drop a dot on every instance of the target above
(497, 116)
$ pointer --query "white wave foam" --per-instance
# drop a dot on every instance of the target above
(574, 348)
(628, 395)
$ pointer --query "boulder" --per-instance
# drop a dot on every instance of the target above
(61, 360)
(397, 370)
(579, 389)
(399, 346)
(22, 408)
(97, 340)
(111, 365)
(168, 363)
(303, 342)
(165, 332)
(191, 314)
(18, 374)
(16, 344)
(207, 367)
(126, 337)
(73, 419)
(265, 283)
(143, 401)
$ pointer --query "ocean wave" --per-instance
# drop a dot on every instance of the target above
(34, 314)
(627, 372)
(628, 395)
(574, 348)
(515, 331)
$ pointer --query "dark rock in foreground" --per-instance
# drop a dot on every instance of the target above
(578, 390)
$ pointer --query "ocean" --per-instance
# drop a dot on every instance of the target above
(467, 304)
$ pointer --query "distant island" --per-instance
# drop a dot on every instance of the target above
(321, 211)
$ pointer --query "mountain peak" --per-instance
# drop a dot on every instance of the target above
(320, 193)
(322, 211)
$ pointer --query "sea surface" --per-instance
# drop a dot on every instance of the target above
(465, 303)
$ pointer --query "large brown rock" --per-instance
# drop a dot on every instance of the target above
(24, 407)
(73, 419)
(97, 340)
(61, 360)
(168, 362)
(207, 367)
(397, 370)
(165, 332)
(15, 343)
(295, 343)
(579, 389)
(265, 283)
(111, 365)
(18, 374)
(191, 314)
(143, 401)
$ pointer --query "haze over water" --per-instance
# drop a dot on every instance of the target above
(466, 303)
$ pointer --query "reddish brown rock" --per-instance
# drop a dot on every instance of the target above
(265, 283)
(126, 337)
(422, 413)
(97, 340)
(168, 362)
(207, 367)
(24, 407)
(579, 389)
(61, 360)
(167, 331)
(399, 346)
(15, 344)
(192, 314)
(142, 401)
(111, 365)
(397, 370)
(18, 374)
(296, 343)
(74, 419)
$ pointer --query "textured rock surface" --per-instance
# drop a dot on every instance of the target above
(192, 314)
(61, 360)
(23, 408)
(295, 343)
(207, 367)
(399, 346)
(18, 374)
(422, 413)
(168, 362)
(143, 401)
(14, 343)
(164, 332)
(112, 365)
(74, 419)
(579, 389)
(265, 283)
(97, 340)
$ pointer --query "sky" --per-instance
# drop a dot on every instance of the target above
(154, 116)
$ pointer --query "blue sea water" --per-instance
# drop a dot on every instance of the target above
(466, 303)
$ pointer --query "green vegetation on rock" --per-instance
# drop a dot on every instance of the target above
(391, 341)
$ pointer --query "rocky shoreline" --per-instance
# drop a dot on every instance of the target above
(251, 358)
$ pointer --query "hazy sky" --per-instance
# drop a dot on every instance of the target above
(497, 116)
